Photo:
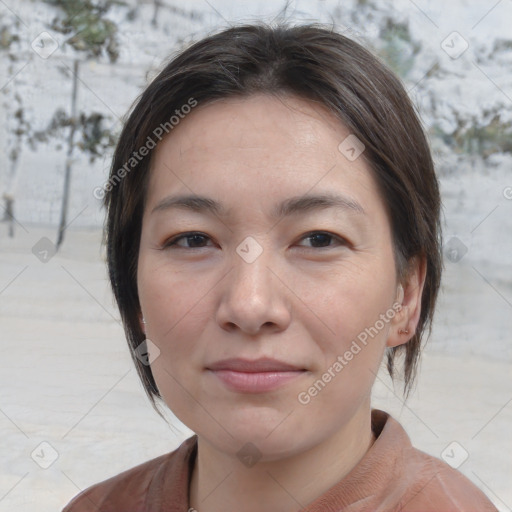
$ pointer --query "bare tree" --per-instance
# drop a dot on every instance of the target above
(67, 171)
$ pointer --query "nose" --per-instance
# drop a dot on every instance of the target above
(254, 298)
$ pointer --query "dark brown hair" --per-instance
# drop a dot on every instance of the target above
(312, 62)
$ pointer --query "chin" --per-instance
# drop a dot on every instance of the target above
(271, 434)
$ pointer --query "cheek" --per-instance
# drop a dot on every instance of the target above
(177, 314)
(181, 334)
(176, 308)
(351, 352)
(347, 302)
(168, 296)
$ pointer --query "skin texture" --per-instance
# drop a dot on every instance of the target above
(303, 300)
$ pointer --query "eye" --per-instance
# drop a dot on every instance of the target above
(192, 240)
(197, 240)
(321, 239)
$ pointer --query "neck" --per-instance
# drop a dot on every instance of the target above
(220, 482)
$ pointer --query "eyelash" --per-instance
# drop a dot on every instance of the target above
(172, 242)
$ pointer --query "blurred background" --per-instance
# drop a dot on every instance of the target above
(72, 411)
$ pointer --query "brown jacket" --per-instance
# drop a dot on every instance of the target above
(392, 476)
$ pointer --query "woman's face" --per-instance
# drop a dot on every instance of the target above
(258, 268)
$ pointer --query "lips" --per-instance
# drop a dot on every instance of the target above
(257, 376)
(258, 365)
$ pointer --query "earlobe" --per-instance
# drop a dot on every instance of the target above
(400, 331)
(403, 325)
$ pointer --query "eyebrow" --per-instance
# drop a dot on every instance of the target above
(293, 206)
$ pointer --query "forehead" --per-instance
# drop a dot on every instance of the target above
(259, 148)
(284, 127)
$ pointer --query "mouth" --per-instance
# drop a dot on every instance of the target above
(257, 376)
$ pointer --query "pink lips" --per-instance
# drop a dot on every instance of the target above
(256, 376)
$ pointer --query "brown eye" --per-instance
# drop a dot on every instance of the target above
(320, 239)
(191, 240)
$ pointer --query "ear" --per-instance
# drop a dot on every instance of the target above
(404, 323)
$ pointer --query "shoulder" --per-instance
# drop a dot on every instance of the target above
(425, 482)
(133, 489)
(441, 487)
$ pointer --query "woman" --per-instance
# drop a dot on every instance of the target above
(273, 232)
